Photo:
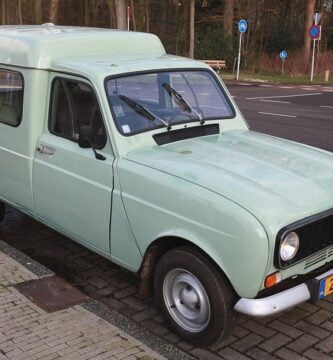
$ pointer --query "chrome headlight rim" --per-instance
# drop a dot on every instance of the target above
(290, 242)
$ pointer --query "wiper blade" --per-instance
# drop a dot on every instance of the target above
(181, 102)
(142, 110)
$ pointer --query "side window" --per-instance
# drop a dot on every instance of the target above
(73, 104)
(11, 97)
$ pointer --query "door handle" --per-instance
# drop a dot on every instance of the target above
(42, 149)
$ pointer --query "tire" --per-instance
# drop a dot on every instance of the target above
(183, 273)
(2, 211)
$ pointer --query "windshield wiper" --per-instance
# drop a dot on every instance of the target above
(143, 111)
(181, 102)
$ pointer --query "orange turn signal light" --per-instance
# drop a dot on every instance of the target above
(273, 279)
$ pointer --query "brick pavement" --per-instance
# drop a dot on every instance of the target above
(28, 333)
(305, 332)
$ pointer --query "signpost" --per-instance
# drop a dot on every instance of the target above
(283, 56)
(315, 34)
(242, 27)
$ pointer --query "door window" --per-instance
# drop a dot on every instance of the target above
(74, 104)
(11, 97)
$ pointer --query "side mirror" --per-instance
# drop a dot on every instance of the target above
(86, 134)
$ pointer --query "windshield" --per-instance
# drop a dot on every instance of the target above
(152, 100)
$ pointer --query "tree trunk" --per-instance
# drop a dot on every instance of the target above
(228, 17)
(20, 12)
(147, 16)
(54, 11)
(38, 11)
(133, 15)
(121, 14)
(192, 30)
(3, 10)
(86, 13)
(308, 22)
(111, 13)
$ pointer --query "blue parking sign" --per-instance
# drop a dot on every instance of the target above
(242, 26)
(283, 54)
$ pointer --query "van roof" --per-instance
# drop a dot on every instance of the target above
(43, 46)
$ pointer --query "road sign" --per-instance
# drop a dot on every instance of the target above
(316, 18)
(242, 26)
(283, 54)
(314, 32)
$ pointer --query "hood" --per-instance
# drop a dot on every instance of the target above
(276, 180)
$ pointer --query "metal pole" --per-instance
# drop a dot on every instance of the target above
(283, 67)
(128, 17)
(239, 54)
(313, 58)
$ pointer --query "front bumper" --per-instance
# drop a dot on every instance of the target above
(283, 300)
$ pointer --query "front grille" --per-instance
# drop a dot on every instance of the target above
(316, 235)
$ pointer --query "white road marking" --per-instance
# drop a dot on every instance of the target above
(285, 87)
(244, 84)
(281, 96)
(267, 85)
(275, 101)
(326, 106)
(284, 115)
(331, 90)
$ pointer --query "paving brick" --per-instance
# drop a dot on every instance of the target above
(285, 329)
(231, 354)
(247, 342)
(294, 316)
(126, 292)
(326, 345)
(319, 317)
(258, 354)
(312, 329)
(259, 329)
(275, 342)
(204, 354)
(302, 343)
(286, 354)
(317, 355)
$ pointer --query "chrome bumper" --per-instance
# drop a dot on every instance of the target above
(279, 302)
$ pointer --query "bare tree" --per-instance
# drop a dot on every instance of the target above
(192, 28)
(38, 11)
(20, 12)
(308, 22)
(121, 14)
(86, 12)
(228, 17)
(54, 11)
(3, 12)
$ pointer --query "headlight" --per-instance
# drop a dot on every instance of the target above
(289, 246)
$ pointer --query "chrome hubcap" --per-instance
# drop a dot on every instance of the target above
(186, 300)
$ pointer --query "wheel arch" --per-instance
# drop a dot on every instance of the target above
(162, 245)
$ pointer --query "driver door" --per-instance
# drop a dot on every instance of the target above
(72, 189)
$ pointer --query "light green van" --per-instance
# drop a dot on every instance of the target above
(144, 158)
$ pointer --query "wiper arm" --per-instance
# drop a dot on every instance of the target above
(143, 111)
(181, 102)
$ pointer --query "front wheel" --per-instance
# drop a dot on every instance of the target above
(194, 297)
(2, 211)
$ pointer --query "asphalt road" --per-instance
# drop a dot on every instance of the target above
(299, 113)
